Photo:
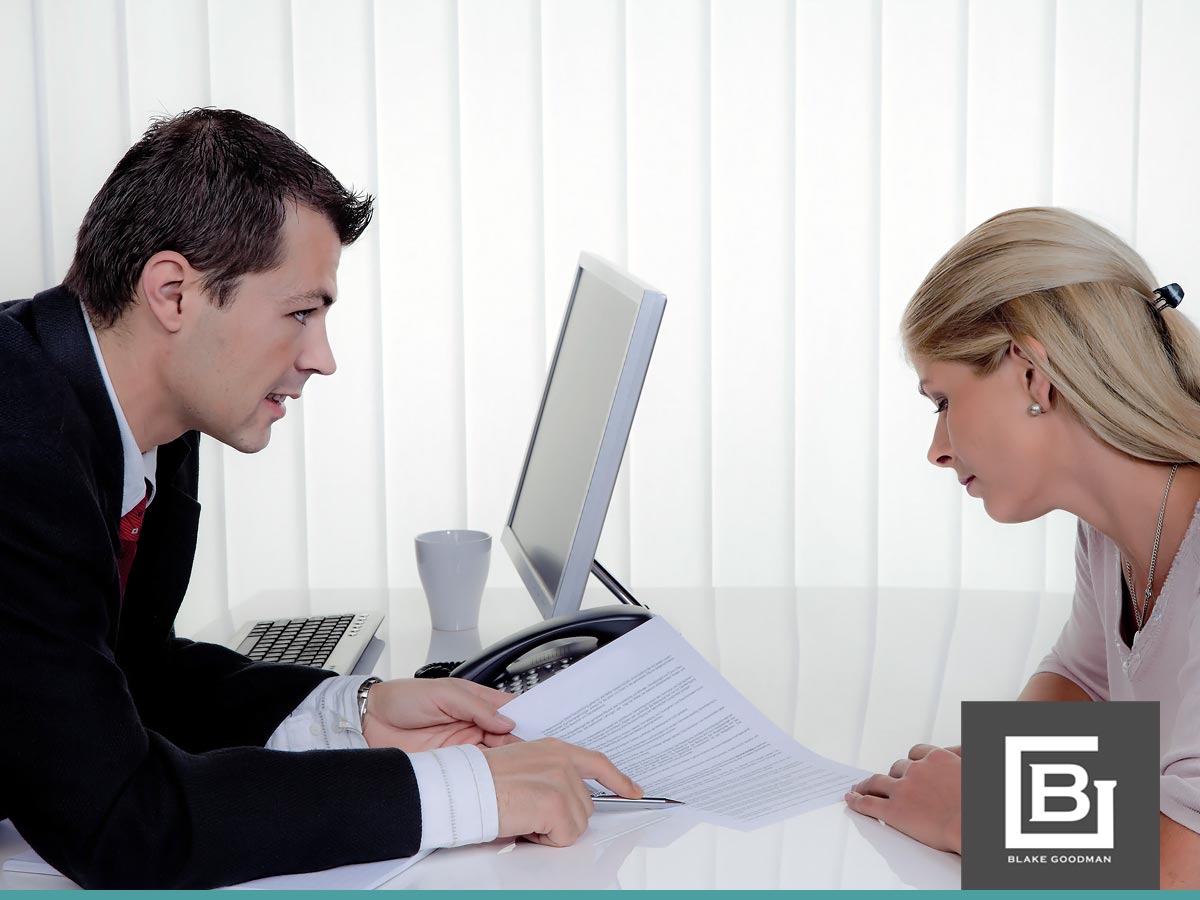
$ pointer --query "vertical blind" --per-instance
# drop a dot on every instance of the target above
(785, 170)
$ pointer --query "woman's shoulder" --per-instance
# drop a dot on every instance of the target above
(1187, 558)
(1092, 544)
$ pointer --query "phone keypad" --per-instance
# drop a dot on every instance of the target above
(520, 682)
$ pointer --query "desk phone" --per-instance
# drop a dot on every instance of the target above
(522, 660)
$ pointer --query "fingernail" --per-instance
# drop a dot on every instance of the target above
(852, 795)
(505, 719)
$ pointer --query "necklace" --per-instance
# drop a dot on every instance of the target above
(1140, 612)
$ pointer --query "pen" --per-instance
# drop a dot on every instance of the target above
(611, 801)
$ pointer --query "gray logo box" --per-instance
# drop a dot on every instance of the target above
(1041, 744)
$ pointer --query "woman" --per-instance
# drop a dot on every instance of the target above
(1061, 380)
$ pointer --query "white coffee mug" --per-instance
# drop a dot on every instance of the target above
(453, 566)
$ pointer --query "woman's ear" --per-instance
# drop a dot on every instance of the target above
(1038, 386)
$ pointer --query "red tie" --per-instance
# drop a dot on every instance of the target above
(129, 531)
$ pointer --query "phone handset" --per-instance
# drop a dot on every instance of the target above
(521, 660)
(535, 653)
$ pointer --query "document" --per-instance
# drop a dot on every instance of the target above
(668, 719)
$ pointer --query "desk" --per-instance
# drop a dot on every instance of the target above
(857, 675)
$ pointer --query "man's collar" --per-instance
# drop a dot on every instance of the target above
(59, 321)
(61, 328)
(140, 469)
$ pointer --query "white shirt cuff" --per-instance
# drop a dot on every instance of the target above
(327, 719)
(458, 797)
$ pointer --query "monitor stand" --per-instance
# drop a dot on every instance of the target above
(605, 578)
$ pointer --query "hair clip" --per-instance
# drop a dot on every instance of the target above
(1169, 295)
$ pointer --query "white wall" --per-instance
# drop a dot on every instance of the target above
(785, 171)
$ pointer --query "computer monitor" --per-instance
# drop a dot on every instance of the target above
(579, 435)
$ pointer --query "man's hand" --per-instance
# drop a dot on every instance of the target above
(540, 790)
(416, 714)
(921, 796)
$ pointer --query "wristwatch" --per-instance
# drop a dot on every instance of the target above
(363, 690)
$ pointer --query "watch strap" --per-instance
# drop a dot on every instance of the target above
(364, 691)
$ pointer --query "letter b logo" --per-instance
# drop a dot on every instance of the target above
(1015, 836)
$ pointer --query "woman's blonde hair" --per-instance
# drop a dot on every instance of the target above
(1130, 374)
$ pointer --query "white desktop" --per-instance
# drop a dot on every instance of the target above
(856, 674)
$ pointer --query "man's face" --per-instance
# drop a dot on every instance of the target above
(236, 367)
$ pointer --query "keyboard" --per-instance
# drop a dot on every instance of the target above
(332, 642)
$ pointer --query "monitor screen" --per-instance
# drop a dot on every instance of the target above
(579, 437)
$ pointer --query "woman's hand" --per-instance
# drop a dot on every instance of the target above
(416, 714)
(921, 796)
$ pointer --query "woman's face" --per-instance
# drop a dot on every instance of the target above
(987, 437)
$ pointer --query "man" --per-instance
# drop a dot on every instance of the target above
(196, 302)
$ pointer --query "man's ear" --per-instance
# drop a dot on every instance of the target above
(1038, 386)
(161, 284)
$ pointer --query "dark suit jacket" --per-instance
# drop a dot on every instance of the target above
(130, 757)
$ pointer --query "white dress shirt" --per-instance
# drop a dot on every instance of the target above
(458, 796)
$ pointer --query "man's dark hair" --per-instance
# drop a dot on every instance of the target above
(212, 185)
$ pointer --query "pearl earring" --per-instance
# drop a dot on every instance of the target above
(1035, 409)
